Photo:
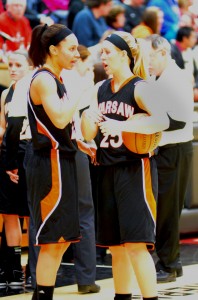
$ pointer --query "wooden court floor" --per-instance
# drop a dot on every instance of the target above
(185, 288)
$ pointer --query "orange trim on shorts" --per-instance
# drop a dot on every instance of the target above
(49, 202)
(150, 199)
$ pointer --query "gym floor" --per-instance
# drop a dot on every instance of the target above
(184, 288)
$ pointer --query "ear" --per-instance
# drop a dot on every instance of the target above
(52, 50)
(124, 53)
(164, 52)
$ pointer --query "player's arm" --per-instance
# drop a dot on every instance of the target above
(44, 91)
(2, 120)
(157, 119)
(91, 117)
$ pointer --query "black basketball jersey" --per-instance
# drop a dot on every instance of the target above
(8, 100)
(120, 106)
(45, 135)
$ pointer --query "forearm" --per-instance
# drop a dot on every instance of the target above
(2, 131)
(146, 125)
(62, 113)
(89, 129)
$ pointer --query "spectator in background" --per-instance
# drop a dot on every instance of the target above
(16, 25)
(152, 21)
(133, 12)
(35, 17)
(116, 17)
(57, 10)
(188, 17)
(170, 24)
(1, 7)
(181, 49)
(74, 7)
(182, 52)
(89, 24)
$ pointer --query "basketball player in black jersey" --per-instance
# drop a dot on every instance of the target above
(127, 185)
(51, 170)
(13, 197)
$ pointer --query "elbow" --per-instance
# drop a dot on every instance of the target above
(60, 123)
(87, 136)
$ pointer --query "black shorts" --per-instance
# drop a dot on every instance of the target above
(126, 204)
(52, 191)
(13, 197)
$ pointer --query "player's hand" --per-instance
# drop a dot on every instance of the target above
(14, 177)
(110, 127)
(94, 116)
(88, 150)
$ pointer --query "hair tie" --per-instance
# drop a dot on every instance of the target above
(45, 26)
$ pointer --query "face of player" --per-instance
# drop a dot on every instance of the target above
(18, 66)
(68, 53)
(111, 58)
(16, 8)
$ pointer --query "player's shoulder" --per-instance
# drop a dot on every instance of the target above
(4, 93)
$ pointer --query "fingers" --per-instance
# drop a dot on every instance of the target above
(13, 177)
(94, 116)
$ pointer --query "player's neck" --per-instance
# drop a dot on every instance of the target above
(53, 69)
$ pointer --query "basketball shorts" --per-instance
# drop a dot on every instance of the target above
(126, 203)
(13, 197)
(53, 197)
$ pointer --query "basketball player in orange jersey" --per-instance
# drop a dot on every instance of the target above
(127, 190)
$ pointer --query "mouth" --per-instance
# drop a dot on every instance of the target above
(105, 66)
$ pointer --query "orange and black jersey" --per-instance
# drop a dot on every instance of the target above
(120, 106)
(45, 135)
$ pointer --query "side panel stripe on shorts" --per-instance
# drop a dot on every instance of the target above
(147, 188)
(52, 200)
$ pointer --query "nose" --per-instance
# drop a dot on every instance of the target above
(12, 68)
(102, 55)
(77, 54)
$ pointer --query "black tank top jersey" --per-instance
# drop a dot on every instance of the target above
(45, 135)
(120, 106)
(8, 99)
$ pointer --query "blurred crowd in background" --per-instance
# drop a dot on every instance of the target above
(93, 20)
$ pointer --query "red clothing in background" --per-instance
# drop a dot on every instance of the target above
(1, 7)
(15, 28)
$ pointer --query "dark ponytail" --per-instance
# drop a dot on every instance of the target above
(42, 37)
(36, 52)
